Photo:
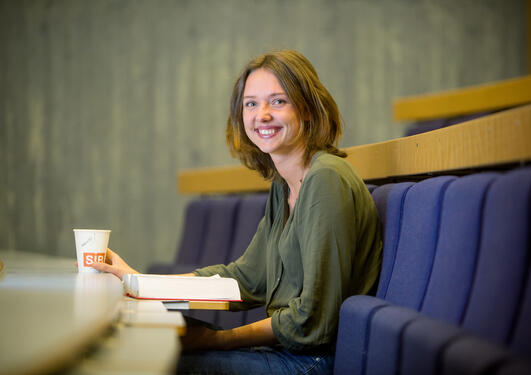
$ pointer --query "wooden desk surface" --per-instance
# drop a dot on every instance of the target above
(51, 315)
(50, 312)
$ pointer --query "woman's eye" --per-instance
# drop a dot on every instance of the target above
(249, 104)
(278, 101)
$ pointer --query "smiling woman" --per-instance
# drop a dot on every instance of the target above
(318, 243)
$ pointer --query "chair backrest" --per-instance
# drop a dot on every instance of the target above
(504, 260)
(217, 243)
(193, 232)
(220, 230)
(417, 242)
(250, 212)
(455, 259)
(389, 201)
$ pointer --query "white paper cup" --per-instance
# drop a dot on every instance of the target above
(91, 246)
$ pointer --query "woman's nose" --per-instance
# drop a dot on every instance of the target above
(264, 113)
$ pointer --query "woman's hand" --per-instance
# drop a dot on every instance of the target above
(114, 264)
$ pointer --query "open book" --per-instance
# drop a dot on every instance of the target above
(188, 288)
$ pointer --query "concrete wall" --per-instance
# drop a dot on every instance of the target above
(102, 102)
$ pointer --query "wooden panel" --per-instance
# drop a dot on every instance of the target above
(489, 141)
(488, 97)
(209, 305)
(219, 180)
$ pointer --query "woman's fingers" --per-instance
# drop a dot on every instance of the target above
(104, 267)
(114, 264)
(110, 256)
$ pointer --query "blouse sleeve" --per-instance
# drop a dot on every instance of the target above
(326, 227)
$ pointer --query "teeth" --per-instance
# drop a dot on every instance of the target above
(266, 131)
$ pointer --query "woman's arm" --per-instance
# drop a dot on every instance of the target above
(254, 334)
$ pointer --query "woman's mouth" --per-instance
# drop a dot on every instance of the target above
(267, 132)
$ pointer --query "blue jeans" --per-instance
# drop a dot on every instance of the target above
(253, 361)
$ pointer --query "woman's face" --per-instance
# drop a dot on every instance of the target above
(271, 120)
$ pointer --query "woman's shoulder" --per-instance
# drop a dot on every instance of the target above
(326, 166)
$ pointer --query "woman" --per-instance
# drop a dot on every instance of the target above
(318, 243)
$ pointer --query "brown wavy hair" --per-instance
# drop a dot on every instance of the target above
(321, 128)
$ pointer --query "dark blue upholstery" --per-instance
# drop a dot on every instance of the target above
(411, 271)
(193, 235)
(457, 248)
(384, 339)
(462, 258)
(471, 355)
(416, 245)
(456, 255)
(353, 336)
(496, 315)
(503, 261)
(389, 201)
(421, 344)
(250, 212)
(353, 333)
(220, 230)
(218, 241)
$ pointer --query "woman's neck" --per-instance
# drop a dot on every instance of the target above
(293, 170)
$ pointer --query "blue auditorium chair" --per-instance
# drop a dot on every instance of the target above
(220, 230)
(250, 212)
(351, 344)
(456, 255)
(467, 285)
(389, 201)
(468, 309)
(217, 242)
(497, 317)
(411, 271)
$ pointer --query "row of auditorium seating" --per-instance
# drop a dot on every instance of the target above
(217, 230)
(454, 294)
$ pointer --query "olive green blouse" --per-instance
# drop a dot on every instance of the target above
(304, 266)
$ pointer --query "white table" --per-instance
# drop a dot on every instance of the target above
(53, 318)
